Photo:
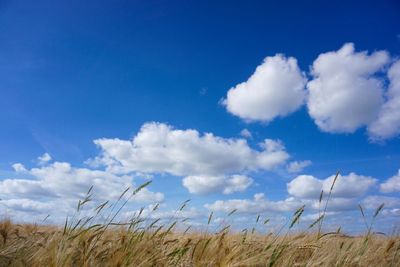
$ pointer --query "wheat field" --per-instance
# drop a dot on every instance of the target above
(82, 241)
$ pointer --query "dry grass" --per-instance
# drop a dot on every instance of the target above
(84, 242)
(32, 245)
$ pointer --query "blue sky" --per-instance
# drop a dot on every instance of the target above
(156, 75)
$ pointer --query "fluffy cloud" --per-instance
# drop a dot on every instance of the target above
(312, 217)
(58, 186)
(347, 186)
(387, 124)
(28, 205)
(62, 179)
(18, 167)
(208, 164)
(45, 158)
(305, 186)
(246, 133)
(150, 213)
(392, 184)
(305, 190)
(298, 166)
(210, 184)
(23, 188)
(206, 159)
(258, 204)
(275, 89)
(391, 212)
(345, 94)
(347, 91)
(373, 202)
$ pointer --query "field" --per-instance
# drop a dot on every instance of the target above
(33, 245)
(82, 241)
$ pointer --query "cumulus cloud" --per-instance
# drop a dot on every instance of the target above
(18, 167)
(246, 133)
(213, 184)
(64, 180)
(345, 93)
(207, 163)
(391, 212)
(346, 186)
(58, 186)
(392, 184)
(298, 166)
(150, 213)
(387, 124)
(275, 89)
(28, 205)
(159, 148)
(305, 190)
(305, 186)
(258, 204)
(312, 217)
(373, 202)
(45, 158)
(23, 188)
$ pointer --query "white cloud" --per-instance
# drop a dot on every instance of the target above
(258, 204)
(64, 180)
(373, 202)
(213, 184)
(23, 188)
(18, 167)
(347, 186)
(305, 186)
(351, 185)
(150, 213)
(246, 133)
(298, 166)
(275, 89)
(28, 205)
(145, 195)
(209, 163)
(391, 212)
(345, 94)
(314, 216)
(387, 124)
(45, 158)
(392, 184)
(58, 186)
(335, 204)
(159, 148)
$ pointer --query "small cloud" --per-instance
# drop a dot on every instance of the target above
(246, 133)
(346, 186)
(18, 167)
(45, 158)
(392, 184)
(203, 91)
(215, 184)
(298, 166)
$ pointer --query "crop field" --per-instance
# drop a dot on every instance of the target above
(81, 241)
